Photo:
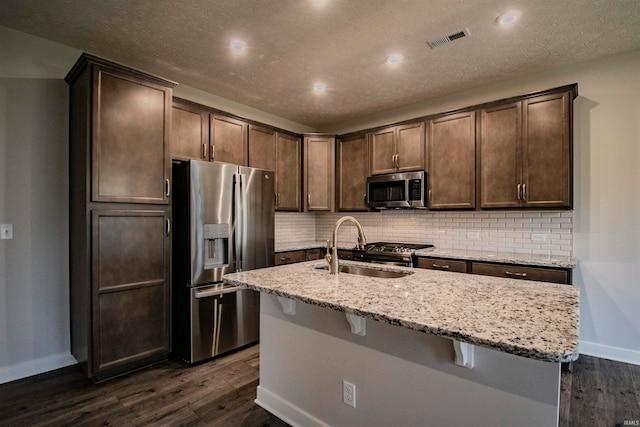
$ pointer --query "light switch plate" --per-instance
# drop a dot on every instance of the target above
(6, 231)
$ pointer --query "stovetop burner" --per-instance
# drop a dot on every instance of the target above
(396, 247)
(391, 253)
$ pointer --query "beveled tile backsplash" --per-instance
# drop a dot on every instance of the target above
(547, 233)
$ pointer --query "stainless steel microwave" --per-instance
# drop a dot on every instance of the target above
(397, 190)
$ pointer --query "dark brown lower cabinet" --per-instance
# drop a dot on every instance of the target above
(542, 274)
(120, 314)
(511, 271)
(443, 264)
(290, 257)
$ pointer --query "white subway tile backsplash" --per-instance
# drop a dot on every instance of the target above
(509, 231)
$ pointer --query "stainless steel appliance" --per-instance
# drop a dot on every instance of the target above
(397, 190)
(390, 253)
(223, 222)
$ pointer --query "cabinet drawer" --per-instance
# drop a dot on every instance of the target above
(521, 272)
(443, 264)
(289, 257)
(313, 254)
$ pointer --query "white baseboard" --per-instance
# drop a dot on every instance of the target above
(284, 410)
(36, 366)
(608, 352)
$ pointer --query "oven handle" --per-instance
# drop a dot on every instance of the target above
(216, 292)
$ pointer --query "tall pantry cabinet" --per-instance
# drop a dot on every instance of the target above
(119, 217)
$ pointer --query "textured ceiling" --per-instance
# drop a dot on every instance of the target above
(292, 44)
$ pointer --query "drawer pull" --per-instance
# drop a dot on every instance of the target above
(440, 267)
(510, 273)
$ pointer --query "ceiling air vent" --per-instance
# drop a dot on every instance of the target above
(447, 39)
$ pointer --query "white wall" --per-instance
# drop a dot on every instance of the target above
(34, 266)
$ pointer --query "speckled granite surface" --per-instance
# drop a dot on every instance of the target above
(532, 319)
(501, 257)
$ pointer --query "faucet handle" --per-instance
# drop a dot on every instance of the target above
(327, 255)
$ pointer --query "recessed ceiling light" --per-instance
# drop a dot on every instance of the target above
(238, 46)
(508, 18)
(394, 59)
(319, 87)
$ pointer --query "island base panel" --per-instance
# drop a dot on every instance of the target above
(402, 377)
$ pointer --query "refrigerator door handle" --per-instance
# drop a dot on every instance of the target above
(215, 292)
(239, 220)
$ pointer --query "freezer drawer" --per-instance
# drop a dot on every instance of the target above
(223, 318)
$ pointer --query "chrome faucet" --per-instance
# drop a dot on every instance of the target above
(332, 251)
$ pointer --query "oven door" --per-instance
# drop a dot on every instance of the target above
(223, 318)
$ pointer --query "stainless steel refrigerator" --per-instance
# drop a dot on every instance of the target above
(223, 222)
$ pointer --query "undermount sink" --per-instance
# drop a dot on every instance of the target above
(369, 272)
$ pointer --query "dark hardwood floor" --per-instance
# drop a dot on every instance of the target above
(597, 393)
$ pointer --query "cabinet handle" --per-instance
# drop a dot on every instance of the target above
(309, 200)
(278, 199)
(440, 267)
(398, 161)
(167, 187)
(204, 151)
(430, 196)
(524, 192)
(168, 226)
(514, 274)
(519, 192)
(212, 151)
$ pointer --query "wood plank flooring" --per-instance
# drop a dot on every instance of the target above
(221, 392)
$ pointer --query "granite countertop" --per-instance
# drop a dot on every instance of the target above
(537, 320)
(501, 257)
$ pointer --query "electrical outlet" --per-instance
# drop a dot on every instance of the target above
(6, 231)
(349, 393)
(473, 235)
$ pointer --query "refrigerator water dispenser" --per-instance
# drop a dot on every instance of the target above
(216, 245)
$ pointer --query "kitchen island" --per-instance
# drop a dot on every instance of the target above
(428, 348)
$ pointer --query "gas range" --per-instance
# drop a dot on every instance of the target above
(390, 253)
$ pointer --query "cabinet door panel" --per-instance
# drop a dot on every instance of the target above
(546, 145)
(353, 170)
(500, 167)
(410, 147)
(189, 133)
(319, 173)
(130, 287)
(262, 148)
(288, 173)
(382, 146)
(229, 140)
(130, 154)
(452, 166)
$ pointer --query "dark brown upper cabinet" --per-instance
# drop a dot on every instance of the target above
(130, 121)
(279, 152)
(201, 133)
(189, 132)
(319, 167)
(229, 140)
(352, 163)
(452, 161)
(397, 149)
(525, 153)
